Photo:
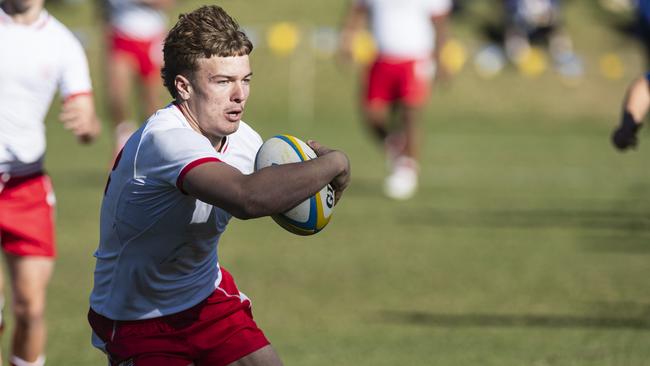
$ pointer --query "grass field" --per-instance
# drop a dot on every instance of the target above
(528, 243)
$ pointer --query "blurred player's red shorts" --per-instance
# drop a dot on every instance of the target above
(27, 216)
(390, 79)
(146, 54)
(216, 332)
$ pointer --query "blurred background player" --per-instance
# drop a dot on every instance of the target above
(539, 21)
(635, 108)
(642, 8)
(40, 55)
(408, 36)
(134, 30)
(160, 295)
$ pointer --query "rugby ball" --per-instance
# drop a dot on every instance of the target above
(311, 215)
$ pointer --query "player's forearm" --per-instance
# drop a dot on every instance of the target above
(78, 115)
(441, 33)
(281, 187)
(353, 22)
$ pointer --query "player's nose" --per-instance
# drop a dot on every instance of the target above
(238, 93)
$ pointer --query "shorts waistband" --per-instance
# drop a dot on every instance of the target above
(13, 181)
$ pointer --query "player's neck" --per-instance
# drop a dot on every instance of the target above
(191, 119)
(22, 16)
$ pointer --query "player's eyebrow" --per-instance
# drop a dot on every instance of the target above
(229, 77)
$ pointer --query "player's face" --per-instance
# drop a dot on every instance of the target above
(220, 88)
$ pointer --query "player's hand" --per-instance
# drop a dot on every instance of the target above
(342, 180)
(78, 116)
(624, 136)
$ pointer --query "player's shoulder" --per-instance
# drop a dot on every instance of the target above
(59, 31)
(167, 129)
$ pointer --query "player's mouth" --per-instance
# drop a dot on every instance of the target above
(234, 115)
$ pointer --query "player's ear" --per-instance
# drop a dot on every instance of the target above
(183, 87)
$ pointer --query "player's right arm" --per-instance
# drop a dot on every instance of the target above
(635, 107)
(271, 190)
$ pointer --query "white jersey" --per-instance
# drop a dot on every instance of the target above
(135, 19)
(403, 28)
(36, 60)
(157, 250)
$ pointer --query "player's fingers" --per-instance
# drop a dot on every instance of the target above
(337, 196)
(317, 147)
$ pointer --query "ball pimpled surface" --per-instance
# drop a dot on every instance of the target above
(314, 213)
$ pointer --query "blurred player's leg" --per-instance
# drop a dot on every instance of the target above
(152, 91)
(27, 221)
(376, 118)
(30, 277)
(413, 136)
(413, 91)
(119, 80)
(150, 64)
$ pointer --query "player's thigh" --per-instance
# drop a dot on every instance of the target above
(30, 276)
(119, 73)
(265, 356)
(153, 95)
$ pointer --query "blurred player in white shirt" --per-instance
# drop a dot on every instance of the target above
(160, 295)
(134, 30)
(409, 35)
(40, 57)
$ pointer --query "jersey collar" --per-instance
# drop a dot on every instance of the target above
(39, 23)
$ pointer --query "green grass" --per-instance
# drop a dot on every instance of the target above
(528, 243)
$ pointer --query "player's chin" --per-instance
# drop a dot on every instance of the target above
(229, 127)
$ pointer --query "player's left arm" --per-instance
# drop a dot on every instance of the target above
(439, 19)
(355, 20)
(78, 116)
(441, 28)
(635, 107)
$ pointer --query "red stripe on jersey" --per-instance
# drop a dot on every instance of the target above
(224, 145)
(74, 95)
(190, 166)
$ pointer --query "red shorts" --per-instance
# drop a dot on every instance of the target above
(146, 54)
(407, 81)
(27, 216)
(216, 332)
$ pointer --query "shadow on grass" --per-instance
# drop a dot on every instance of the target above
(511, 320)
(626, 221)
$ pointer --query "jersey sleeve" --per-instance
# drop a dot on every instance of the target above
(75, 77)
(171, 154)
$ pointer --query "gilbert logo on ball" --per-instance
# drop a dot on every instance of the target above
(311, 215)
